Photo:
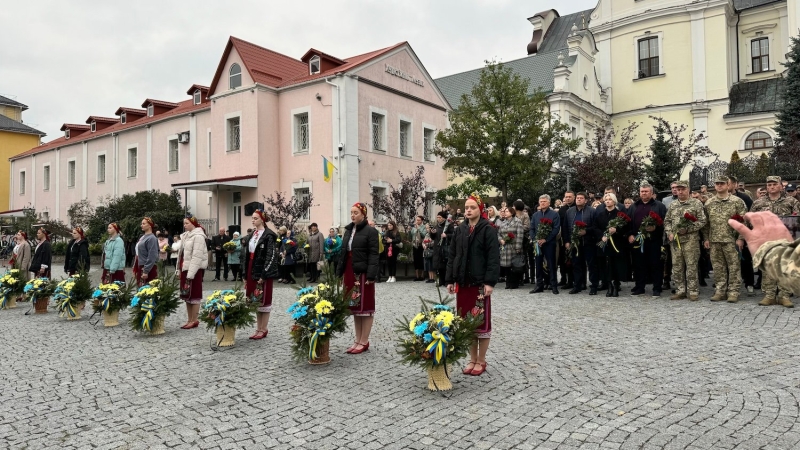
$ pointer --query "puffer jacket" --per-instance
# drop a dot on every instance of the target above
(114, 254)
(474, 259)
(194, 252)
(266, 257)
(364, 250)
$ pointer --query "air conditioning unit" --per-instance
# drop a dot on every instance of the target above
(183, 138)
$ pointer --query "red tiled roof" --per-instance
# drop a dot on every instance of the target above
(159, 103)
(99, 119)
(183, 108)
(264, 66)
(312, 51)
(196, 87)
(134, 111)
(75, 126)
(350, 63)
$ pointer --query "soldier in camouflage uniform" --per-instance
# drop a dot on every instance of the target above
(723, 241)
(778, 203)
(685, 238)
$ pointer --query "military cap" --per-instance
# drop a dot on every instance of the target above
(791, 187)
(682, 183)
(773, 179)
(721, 179)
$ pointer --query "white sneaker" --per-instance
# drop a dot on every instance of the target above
(749, 289)
(391, 280)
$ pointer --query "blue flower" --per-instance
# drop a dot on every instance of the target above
(300, 312)
(293, 308)
(97, 293)
(27, 288)
(428, 337)
(304, 291)
(135, 302)
(420, 329)
(441, 307)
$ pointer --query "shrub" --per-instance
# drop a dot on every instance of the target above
(60, 248)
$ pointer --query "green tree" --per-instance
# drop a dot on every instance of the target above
(735, 166)
(403, 202)
(611, 159)
(788, 124)
(460, 191)
(501, 135)
(761, 170)
(670, 152)
(128, 210)
(80, 213)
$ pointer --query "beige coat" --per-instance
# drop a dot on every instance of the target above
(24, 259)
(194, 251)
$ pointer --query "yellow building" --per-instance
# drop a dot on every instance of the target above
(15, 138)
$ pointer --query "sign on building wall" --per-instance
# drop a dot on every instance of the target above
(399, 73)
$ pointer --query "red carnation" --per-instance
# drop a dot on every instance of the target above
(511, 235)
(689, 217)
(580, 224)
(292, 243)
(653, 215)
(623, 216)
(737, 218)
(546, 221)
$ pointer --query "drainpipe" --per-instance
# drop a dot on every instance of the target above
(339, 128)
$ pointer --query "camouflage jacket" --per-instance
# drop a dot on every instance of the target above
(676, 211)
(780, 260)
(783, 206)
(718, 212)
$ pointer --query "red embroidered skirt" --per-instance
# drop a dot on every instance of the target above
(119, 275)
(365, 305)
(250, 286)
(137, 273)
(466, 299)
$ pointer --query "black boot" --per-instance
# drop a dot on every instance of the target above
(603, 286)
(593, 290)
(610, 292)
(615, 290)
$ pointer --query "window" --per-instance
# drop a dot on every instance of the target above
(22, 183)
(301, 135)
(101, 168)
(648, 57)
(122, 118)
(46, 178)
(302, 195)
(313, 65)
(173, 155)
(237, 208)
(427, 143)
(574, 132)
(405, 130)
(377, 213)
(758, 140)
(234, 134)
(235, 76)
(150, 110)
(66, 133)
(93, 126)
(377, 131)
(132, 162)
(198, 97)
(71, 174)
(759, 54)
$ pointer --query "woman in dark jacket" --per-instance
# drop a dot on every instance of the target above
(260, 260)
(441, 239)
(612, 262)
(359, 267)
(473, 268)
(288, 249)
(42, 256)
(393, 244)
(77, 256)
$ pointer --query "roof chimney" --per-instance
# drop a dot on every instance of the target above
(541, 23)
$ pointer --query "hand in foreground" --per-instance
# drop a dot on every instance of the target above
(766, 227)
(451, 289)
(487, 290)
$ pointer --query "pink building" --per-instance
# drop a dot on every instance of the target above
(264, 125)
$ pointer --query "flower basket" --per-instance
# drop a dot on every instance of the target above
(436, 338)
(40, 305)
(319, 314)
(70, 296)
(152, 303)
(10, 302)
(109, 299)
(111, 319)
(39, 291)
(11, 286)
(225, 312)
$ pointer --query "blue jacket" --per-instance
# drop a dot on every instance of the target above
(549, 214)
(114, 255)
(236, 256)
(589, 217)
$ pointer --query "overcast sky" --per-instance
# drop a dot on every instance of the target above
(68, 60)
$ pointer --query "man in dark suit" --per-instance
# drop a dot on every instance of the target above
(546, 245)
(564, 263)
(219, 253)
(647, 260)
(582, 251)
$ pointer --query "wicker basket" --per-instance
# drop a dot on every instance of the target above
(110, 319)
(226, 336)
(323, 353)
(438, 379)
(11, 302)
(158, 325)
(40, 305)
(78, 308)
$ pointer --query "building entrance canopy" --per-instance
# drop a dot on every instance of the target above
(246, 181)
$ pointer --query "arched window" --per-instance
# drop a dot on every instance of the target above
(235, 76)
(197, 97)
(758, 140)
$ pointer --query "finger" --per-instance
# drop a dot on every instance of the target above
(740, 228)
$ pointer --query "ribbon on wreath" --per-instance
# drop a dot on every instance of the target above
(639, 239)
(220, 307)
(320, 326)
(678, 240)
(611, 240)
(438, 346)
(65, 307)
(537, 249)
(148, 306)
(4, 296)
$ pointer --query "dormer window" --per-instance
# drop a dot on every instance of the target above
(313, 65)
(93, 126)
(150, 110)
(198, 97)
(235, 76)
(66, 133)
(122, 118)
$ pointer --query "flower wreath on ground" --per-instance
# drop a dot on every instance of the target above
(319, 313)
(153, 302)
(112, 297)
(10, 285)
(70, 294)
(39, 288)
(229, 308)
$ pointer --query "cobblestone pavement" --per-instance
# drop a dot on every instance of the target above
(566, 371)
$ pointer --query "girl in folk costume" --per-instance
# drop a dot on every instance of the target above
(77, 256)
(144, 264)
(260, 259)
(113, 259)
(22, 255)
(473, 268)
(43, 255)
(359, 267)
(192, 264)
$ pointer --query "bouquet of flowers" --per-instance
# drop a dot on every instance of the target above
(332, 247)
(319, 313)
(542, 232)
(112, 297)
(229, 246)
(166, 249)
(649, 224)
(436, 338)
(683, 225)
(228, 308)
(576, 236)
(10, 285)
(507, 238)
(152, 303)
(617, 222)
(39, 287)
(70, 294)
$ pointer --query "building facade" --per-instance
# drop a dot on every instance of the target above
(263, 125)
(15, 137)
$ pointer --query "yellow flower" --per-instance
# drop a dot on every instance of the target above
(307, 297)
(446, 317)
(229, 298)
(155, 282)
(415, 321)
(322, 287)
(323, 307)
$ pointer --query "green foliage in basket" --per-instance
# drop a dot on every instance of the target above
(39, 288)
(69, 294)
(229, 309)
(112, 297)
(158, 298)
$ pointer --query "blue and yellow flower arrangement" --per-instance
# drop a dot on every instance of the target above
(71, 294)
(39, 288)
(111, 297)
(11, 285)
(152, 303)
(228, 309)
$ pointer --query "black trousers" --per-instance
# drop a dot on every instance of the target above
(235, 271)
(512, 279)
(287, 272)
(547, 255)
(391, 263)
(221, 261)
(648, 264)
(748, 276)
(583, 261)
(616, 264)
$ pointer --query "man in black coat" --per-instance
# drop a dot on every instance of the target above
(564, 262)
(583, 251)
(547, 245)
(219, 253)
(647, 260)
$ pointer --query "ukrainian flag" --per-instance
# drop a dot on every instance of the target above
(327, 169)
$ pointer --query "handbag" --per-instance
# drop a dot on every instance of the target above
(428, 252)
(390, 251)
(517, 263)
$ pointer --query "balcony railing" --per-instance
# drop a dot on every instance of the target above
(751, 169)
